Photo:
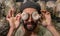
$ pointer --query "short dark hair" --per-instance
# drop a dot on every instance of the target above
(30, 4)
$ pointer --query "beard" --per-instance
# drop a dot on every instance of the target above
(30, 26)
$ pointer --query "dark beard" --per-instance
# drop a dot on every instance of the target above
(34, 25)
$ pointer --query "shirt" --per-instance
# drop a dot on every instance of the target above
(41, 32)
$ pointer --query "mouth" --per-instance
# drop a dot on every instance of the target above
(29, 26)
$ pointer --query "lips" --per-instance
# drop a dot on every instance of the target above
(29, 26)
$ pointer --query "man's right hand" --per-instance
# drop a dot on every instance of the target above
(13, 21)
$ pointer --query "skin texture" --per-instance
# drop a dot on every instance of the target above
(14, 21)
(30, 24)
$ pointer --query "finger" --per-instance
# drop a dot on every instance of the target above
(13, 11)
(43, 11)
(18, 17)
(47, 14)
(8, 15)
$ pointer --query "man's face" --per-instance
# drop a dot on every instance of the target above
(29, 24)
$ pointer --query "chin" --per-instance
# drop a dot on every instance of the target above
(30, 29)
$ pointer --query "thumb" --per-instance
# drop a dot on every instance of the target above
(17, 20)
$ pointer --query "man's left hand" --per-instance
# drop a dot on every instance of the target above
(46, 18)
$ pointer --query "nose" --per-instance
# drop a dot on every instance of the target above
(30, 19)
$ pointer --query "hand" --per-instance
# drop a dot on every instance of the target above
(13, 21)
(47, 21)
(46, 18)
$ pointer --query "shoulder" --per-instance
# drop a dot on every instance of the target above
(19, 31)
(44, 32)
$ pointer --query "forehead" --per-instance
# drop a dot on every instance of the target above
(29, 10)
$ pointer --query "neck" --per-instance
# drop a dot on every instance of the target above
(30, 34)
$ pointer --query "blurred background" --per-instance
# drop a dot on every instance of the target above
(53, 6)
